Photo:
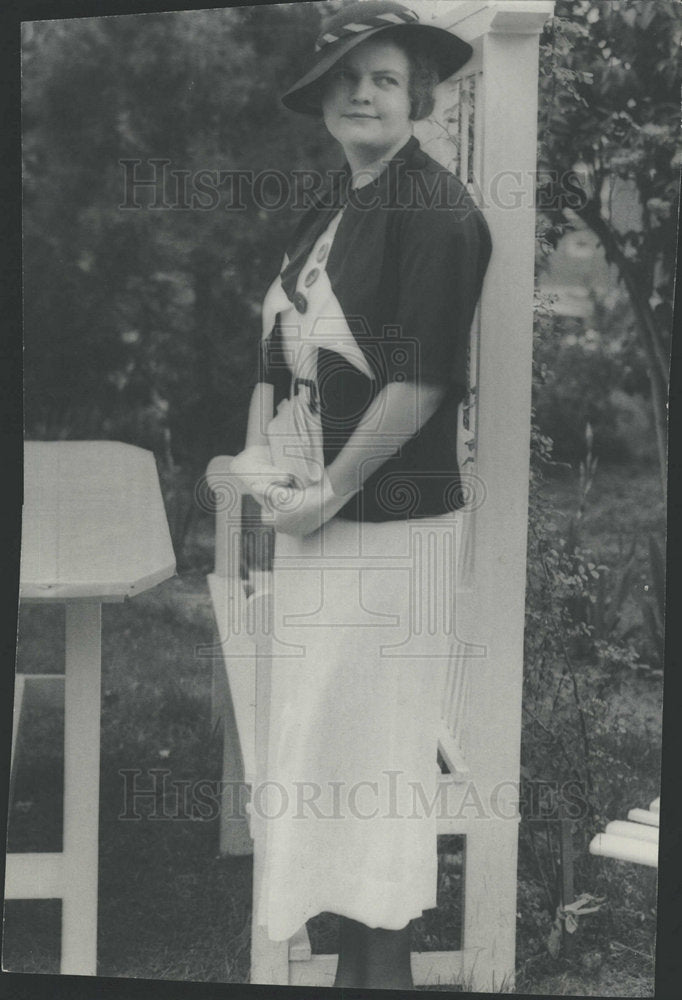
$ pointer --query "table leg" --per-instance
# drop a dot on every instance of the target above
(81, 786)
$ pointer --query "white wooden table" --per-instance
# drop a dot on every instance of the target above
(94, 530)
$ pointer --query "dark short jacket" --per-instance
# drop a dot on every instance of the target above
(406, 265)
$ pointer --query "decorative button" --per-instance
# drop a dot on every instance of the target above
(322, 252)
(311, 277)
(300, 302)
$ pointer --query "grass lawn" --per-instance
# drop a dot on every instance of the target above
(172, 908)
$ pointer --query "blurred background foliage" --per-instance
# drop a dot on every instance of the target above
(142, 323)
(609, 115)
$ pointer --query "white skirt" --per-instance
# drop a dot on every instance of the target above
(363, 632)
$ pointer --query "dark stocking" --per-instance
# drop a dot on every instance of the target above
(374, 958)
(350, 970)
(387, 959)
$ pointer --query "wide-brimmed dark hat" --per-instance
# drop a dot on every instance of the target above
(356, 23)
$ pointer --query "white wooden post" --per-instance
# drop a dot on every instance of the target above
(81, 787)
(501, 80)
(233, 659)
(241, 703)
(269, 959)
(492, 614)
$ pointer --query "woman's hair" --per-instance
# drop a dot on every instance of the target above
(423, 72)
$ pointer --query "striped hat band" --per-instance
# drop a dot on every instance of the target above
(365, 19)
(404, 16)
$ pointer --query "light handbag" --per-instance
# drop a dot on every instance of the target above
(295, 438)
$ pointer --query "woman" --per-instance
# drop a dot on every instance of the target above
(351, 448)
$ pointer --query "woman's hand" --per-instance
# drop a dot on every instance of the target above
(302, 511)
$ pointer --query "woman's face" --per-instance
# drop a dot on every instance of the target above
(365, 102)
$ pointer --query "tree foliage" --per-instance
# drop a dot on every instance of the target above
(610, 81)
(142, 323)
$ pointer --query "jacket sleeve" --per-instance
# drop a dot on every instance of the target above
(442, 257)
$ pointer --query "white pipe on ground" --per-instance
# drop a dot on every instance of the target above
(625, 849)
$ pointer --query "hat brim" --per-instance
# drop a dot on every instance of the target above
(450, 53)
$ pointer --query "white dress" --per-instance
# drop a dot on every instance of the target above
(362, 633)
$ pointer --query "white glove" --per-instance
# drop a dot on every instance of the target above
(257, 473)
(302, 511)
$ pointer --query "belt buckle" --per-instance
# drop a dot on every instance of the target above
(312, 392)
